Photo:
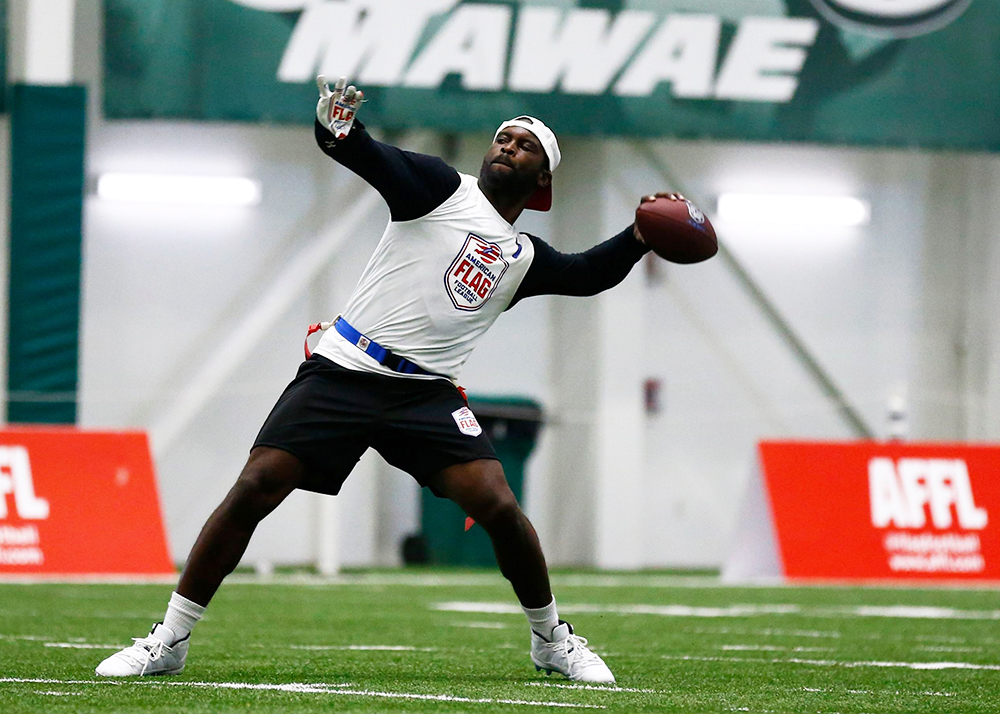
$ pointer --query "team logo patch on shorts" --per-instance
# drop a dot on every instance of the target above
(475, 273)
(466, 421)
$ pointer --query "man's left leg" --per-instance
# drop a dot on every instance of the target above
(480, 488)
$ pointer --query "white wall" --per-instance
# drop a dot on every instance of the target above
(851, 295)
(906, 304)
(163, 287)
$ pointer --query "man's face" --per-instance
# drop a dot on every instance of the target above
(515, 163)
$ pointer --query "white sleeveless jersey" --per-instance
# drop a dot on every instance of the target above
(434, 285)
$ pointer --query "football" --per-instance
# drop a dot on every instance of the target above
(676, 230)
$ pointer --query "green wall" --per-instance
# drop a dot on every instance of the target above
(874, 81)
(46, 213)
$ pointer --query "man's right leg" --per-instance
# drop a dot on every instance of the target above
(269, 476)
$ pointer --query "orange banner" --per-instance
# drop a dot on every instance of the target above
(78, 502)
(882, 510)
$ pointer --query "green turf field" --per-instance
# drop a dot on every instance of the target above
(446, 641)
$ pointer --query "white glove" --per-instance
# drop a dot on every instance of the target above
(336, 109)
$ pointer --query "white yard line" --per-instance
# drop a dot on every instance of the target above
(687, 610)
(940, 648)
(467, 700)
(505, 608)
(838, 663)
(869, 692)
(365, 648)
(916, 612)
(591, 687)
(302, 688)
(489, 608)
(753, 648)
(77, 643)
(943, 639)
(293, 687)
(740, 610)
(833, 634)
(768, 632)
(772, 648)
(636, 581)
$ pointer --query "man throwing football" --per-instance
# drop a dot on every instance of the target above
(449, 262)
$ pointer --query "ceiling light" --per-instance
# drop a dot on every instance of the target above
(175, 190)
(793, 210)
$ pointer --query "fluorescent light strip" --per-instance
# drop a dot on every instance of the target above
(179, 190)
(793, 210)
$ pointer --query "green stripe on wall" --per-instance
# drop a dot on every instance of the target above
(46, 213)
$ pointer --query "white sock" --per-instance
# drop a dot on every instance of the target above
(543, 619)
(182, 614)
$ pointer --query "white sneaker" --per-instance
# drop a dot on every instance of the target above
(148, 656)
(568, 654)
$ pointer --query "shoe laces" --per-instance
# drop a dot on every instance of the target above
(145, 650)
(576, 651)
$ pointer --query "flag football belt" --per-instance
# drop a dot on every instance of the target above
(371, 348)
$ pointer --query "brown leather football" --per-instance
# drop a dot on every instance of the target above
(676, 230)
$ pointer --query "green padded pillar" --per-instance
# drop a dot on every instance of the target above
(46, 214)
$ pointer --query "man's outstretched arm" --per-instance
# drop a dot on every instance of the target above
(588, 273)
(412, 184)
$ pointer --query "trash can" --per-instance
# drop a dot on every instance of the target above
(512, 424)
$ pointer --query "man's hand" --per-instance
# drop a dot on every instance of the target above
(336, 109)
(646, 199)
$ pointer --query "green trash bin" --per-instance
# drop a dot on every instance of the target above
(512, 424)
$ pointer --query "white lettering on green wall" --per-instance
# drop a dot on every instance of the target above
(472, 43)
(765, 59)
(579, 51)
(370, 41)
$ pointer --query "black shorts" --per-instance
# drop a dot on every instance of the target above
(329, 416)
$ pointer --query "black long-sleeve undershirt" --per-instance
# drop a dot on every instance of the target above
(412, 184)
(415, 184)
(580, 274)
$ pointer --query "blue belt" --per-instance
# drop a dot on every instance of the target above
(377, 352)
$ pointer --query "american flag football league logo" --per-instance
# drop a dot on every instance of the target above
(475, 273)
